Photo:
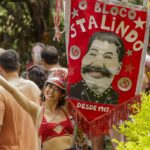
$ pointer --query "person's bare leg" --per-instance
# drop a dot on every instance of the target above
(98, 143)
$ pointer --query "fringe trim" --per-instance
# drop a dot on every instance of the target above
(102, 124)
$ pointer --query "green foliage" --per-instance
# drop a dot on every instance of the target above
(14, 20)
(16, 28)
(24, 22)
(137, 130)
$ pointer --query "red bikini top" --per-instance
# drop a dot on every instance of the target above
(47, 131)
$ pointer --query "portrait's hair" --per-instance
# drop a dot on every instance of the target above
(111, 38)
(38, 75)
(9, 60)
(50, 55)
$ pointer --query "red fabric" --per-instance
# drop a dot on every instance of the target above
(46, 130)
(83, 24)
(58, 77)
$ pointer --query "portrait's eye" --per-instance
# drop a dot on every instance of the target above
(92, 52)
(108, 57)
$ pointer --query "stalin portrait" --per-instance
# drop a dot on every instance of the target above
(101, 63)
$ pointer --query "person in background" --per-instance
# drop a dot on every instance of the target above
(36, 50)
(145, 83)
(147, 72)
(50, 59)
(17, 131)
(1, 50)
(52, 119)
(38, 75)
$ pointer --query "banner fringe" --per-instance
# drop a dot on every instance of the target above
(104, 123)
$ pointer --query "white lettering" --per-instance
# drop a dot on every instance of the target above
(103, 109)
(122, 27)
(138, 45)
(113, 23)
(80, 22)
(132, 14)
(78, 105)
(97, 7)
(73, 30)
(132, 36)
(87, 106)
(104, 9)
(92, 22)
(103, 26)
(121, 12)
(114, 11)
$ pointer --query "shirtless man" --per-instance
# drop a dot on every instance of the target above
(17, 131)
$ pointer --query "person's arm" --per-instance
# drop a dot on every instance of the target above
(98, 142)
(2, 110)
(29, 106)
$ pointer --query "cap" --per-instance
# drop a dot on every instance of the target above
(58, 78)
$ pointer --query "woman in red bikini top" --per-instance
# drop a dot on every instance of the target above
(52, 120)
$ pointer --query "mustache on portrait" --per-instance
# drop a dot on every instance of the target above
(103, 70)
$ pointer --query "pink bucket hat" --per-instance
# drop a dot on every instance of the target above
(58, 78)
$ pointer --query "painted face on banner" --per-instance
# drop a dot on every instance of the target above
(100, 65)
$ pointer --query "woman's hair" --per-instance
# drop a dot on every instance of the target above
(63, 100)
(38, 75)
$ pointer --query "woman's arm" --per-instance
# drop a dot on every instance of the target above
(29, 106)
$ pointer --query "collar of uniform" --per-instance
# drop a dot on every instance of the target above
(94, 93)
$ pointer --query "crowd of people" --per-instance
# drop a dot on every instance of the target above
(33, 112)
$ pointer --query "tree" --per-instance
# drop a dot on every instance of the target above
(23, 22)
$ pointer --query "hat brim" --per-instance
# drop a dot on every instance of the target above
(57, 83)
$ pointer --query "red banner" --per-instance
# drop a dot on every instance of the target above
(106, 51)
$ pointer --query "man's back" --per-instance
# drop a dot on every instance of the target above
(18, 131)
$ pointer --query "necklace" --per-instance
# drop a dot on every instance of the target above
(104, 94)
(54, 117)
(49, 113)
